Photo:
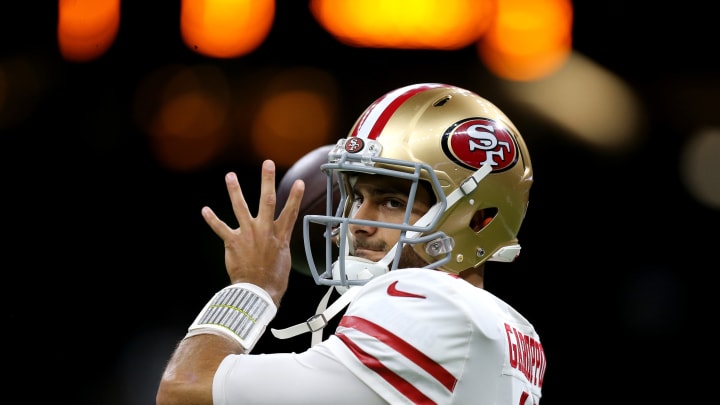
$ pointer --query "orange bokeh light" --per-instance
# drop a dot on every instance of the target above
(289, 124)
(529, 39)
(405, 24)
(225, 28)
(87, 28)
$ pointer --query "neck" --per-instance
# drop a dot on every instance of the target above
(474, 276)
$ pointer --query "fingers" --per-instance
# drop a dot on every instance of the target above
(268, 197)
(216, 224)
(288, 215)
(239, 205)
(268, 200)
(266, 210)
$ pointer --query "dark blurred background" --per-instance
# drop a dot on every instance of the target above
(108, 259)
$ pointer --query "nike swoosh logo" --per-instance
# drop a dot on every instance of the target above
(394, 292)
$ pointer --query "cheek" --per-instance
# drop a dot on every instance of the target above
(415, 217)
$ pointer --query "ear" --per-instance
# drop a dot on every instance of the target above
(482, 218)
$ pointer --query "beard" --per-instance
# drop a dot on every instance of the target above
(408, 257)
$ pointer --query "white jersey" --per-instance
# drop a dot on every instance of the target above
(411, 336)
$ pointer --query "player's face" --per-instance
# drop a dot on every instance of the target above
(383, 199)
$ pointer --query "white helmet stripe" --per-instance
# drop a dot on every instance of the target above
(378, 114)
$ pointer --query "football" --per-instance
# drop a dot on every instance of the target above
(307, 168)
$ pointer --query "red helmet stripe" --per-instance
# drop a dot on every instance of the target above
(376, 116)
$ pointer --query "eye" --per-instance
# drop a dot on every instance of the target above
(394, 203)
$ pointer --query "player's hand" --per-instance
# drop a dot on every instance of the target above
(258, 251)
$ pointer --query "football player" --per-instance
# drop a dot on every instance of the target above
(434, 183)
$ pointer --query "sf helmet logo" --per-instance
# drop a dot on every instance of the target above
(475, 142)
(354, 145)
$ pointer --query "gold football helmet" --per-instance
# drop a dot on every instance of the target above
(458, 143)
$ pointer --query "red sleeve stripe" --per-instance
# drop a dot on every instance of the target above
(378, 114)
(401, 346)
(400, 384)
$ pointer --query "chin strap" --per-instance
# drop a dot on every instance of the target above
(317, 322)
(468, 185)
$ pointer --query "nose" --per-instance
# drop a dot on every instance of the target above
(365, 212)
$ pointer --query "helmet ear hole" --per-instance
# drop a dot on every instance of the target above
(482, 218)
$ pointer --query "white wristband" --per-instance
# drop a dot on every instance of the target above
(241, 311)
